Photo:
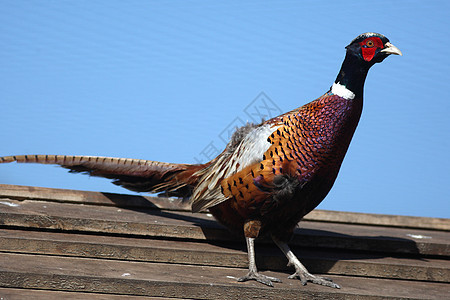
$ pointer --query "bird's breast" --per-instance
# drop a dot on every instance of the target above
(312, 138)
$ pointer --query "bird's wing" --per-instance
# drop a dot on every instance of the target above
(243, 151)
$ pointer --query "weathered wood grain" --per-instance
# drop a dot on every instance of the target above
(202, 253)
(72, 244)
(22, 294)
(379, 220)
(76, 217)
(15, 192)
(199, 282)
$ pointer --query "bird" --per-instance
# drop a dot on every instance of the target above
(270, 175)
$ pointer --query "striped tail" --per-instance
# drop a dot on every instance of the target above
(134, 174)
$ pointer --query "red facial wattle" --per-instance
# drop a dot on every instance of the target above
(369, 47)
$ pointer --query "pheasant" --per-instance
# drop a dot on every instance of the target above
(269, 175)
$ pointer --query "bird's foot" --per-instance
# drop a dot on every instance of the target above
(267, 280)
(306, 277)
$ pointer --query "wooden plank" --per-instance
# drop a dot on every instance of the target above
(197, 253)
(15, 192)
(75, 217)
(378, 219)
(373, 238)
(199, 282)
(21, 294)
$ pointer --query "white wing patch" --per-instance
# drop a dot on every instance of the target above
(250, 150)
(342, 91)
(252, 147)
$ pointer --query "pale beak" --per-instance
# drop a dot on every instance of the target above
(391, 49)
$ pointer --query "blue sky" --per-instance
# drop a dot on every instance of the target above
(165, 80)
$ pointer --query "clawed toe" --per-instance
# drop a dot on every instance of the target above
(307, 277)
(300, 271)
(267, 280)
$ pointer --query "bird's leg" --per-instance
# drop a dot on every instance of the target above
(252, 271)
(251, 230)
(300, 271)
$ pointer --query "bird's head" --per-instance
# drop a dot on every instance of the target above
(372, 48)
(362, 53)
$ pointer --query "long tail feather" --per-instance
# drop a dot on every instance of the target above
(133, 174)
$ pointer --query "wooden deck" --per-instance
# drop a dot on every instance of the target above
(63, 244)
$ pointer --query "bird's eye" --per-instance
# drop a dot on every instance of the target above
(369, 43)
